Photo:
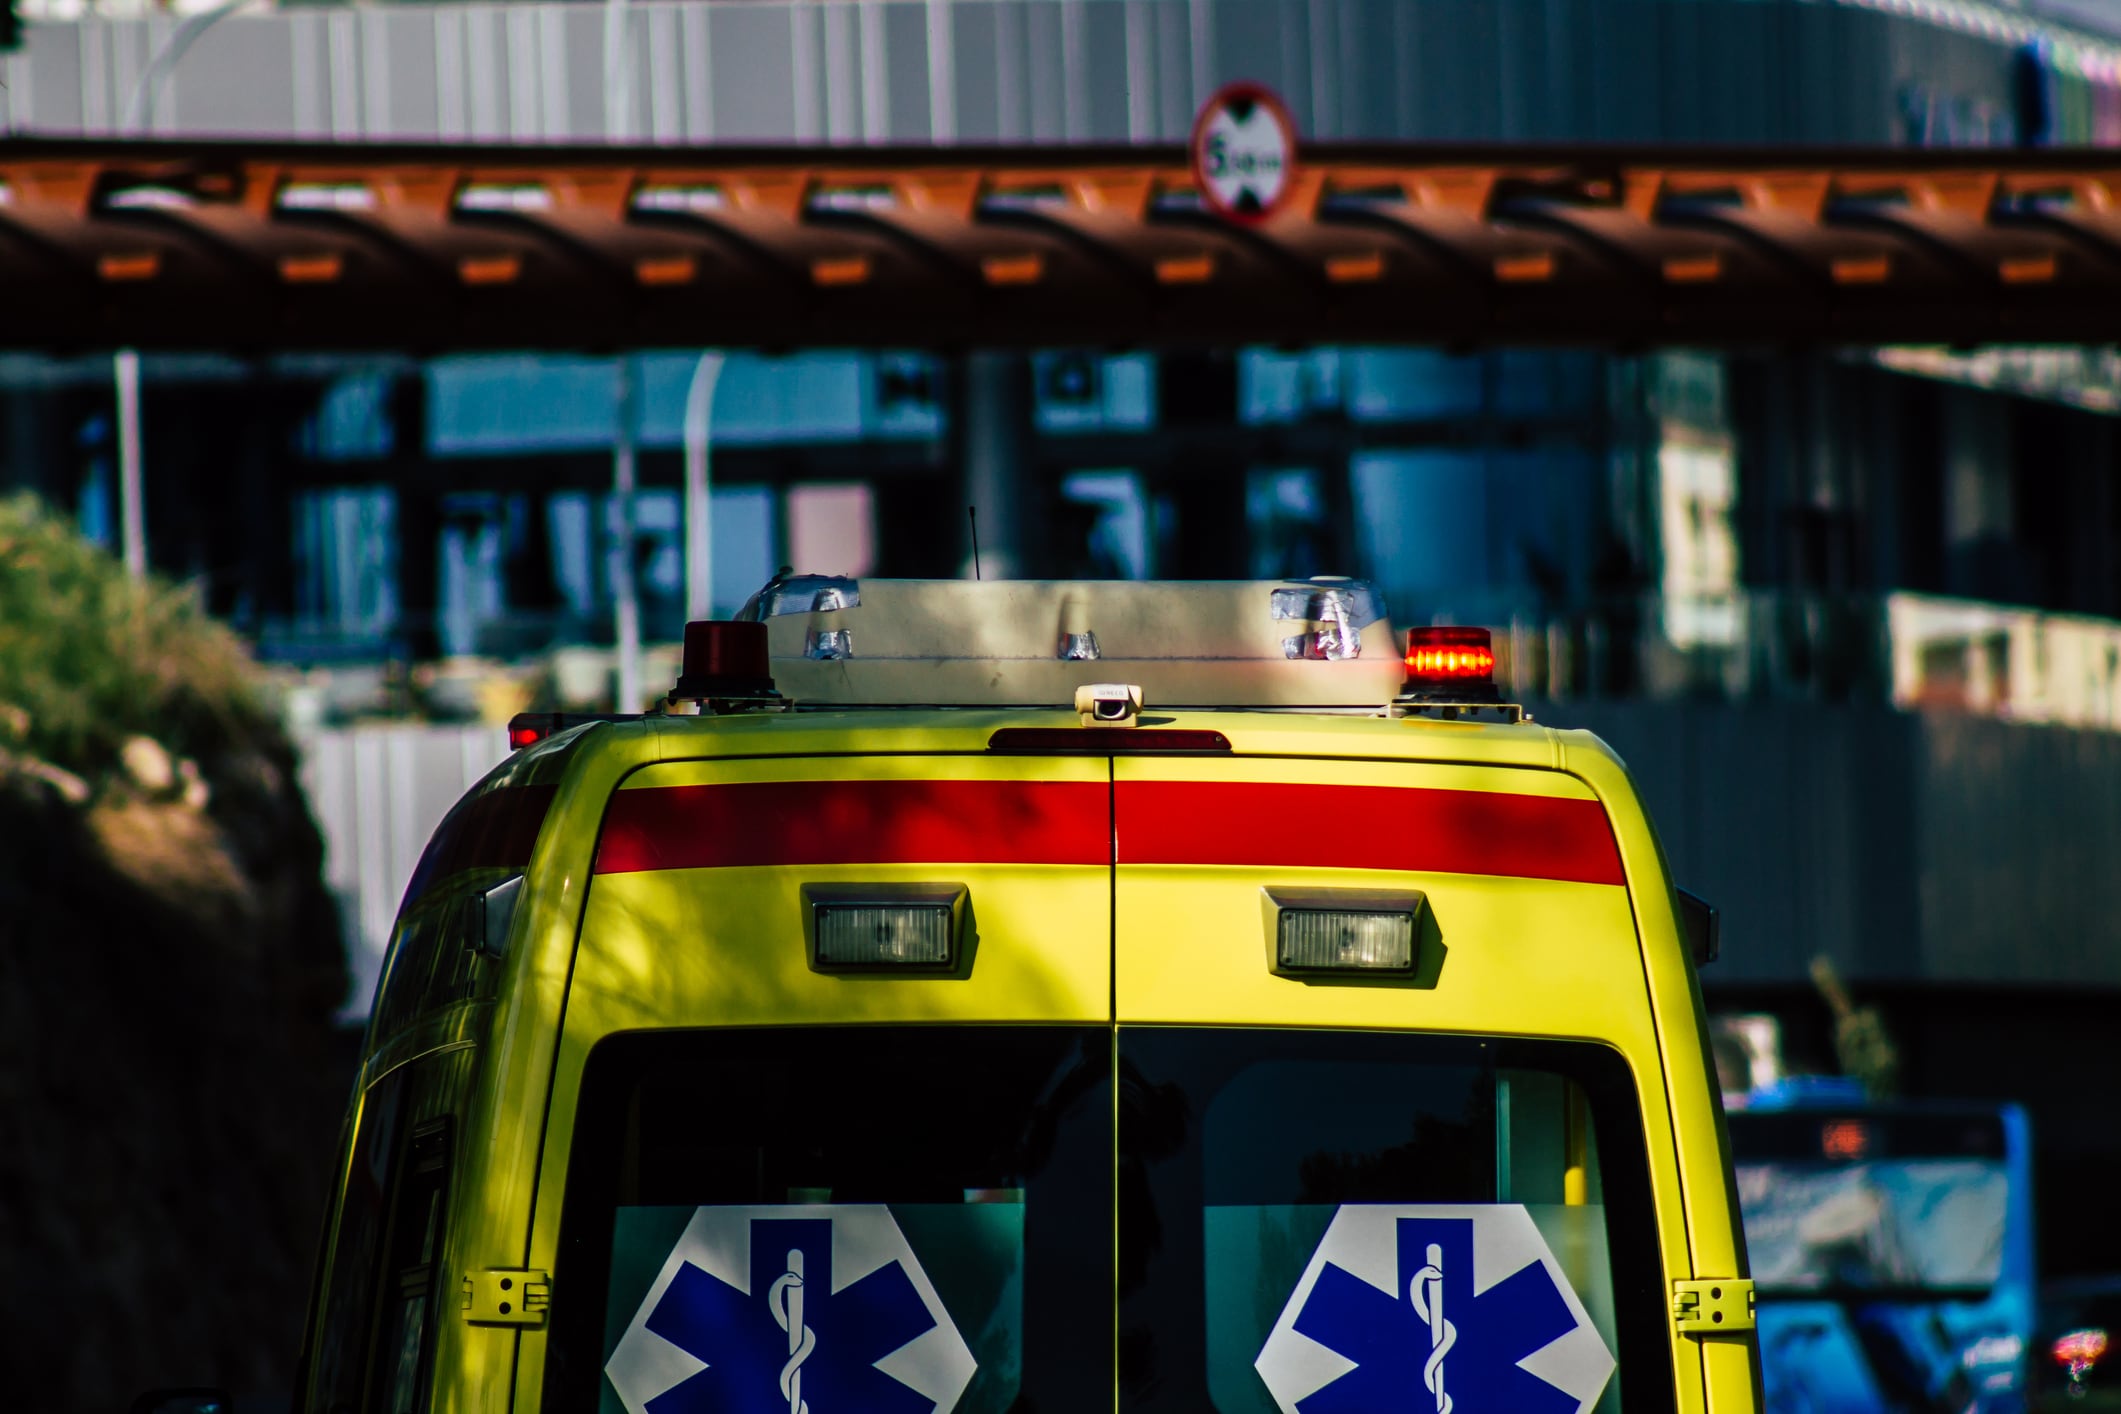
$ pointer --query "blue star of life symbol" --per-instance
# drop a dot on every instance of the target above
(792, 1345)
(1434, 1346)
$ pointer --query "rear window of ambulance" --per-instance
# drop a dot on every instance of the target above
(496, 825)
(492, 832)
(920, 1217)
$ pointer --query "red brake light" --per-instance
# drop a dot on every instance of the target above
(530, 728)
(1845, 1139)
(2080, 1349)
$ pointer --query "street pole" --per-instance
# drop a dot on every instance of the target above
(132, 513)
(625, 597)
(125, 366)
(699, 488)
(147, 89)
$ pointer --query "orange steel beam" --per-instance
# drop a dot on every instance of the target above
(253, 246)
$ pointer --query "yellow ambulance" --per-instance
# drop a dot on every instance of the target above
(976, 997)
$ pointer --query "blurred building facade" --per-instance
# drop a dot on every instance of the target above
(1956, 72)
(1853, 615)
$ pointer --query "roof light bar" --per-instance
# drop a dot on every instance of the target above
(1341, 607)
(788, 593)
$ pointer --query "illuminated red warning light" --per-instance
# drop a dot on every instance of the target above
(1844, 1139)
(1450, 654)
(530, 728)
(2080, 1349)
(1447, 661)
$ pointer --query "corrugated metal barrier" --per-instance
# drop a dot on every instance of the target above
(377, 793)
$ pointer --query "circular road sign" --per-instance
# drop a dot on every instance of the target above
(1244, 152)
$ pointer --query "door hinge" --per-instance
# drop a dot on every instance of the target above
(1712, 1305)
(506, 1298)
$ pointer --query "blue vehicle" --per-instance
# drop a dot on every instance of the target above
(1892, 1248)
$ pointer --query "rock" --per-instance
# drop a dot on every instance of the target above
(148, 762)
(172, 1072)
(45, 777)
(181, 860)
(197, 794)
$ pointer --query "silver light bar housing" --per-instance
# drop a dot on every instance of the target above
(1027, 643)
(802, 594)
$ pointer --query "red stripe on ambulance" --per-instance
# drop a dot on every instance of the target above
(1414, 829)
(857, 822)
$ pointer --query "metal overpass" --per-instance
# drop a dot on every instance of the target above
(242, 246)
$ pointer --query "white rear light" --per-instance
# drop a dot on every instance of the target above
(884, 927)
(1316, 940)
(1330, 930)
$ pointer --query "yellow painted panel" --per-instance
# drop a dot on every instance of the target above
(725, 947)
(925, 767)
(1520, 956)
(1731, 1370)
(1700, 1143)
(1315, 736)
(1524, 957)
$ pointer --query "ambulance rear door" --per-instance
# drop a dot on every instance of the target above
(808, 1160)
(1385, 1053)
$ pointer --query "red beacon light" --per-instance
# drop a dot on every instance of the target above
(725, 661)
(1447, 664)
(725, 667)
(1451, 677)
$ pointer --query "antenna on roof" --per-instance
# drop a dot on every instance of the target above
(973, 511)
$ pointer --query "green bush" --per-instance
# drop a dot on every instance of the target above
(92, 656)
